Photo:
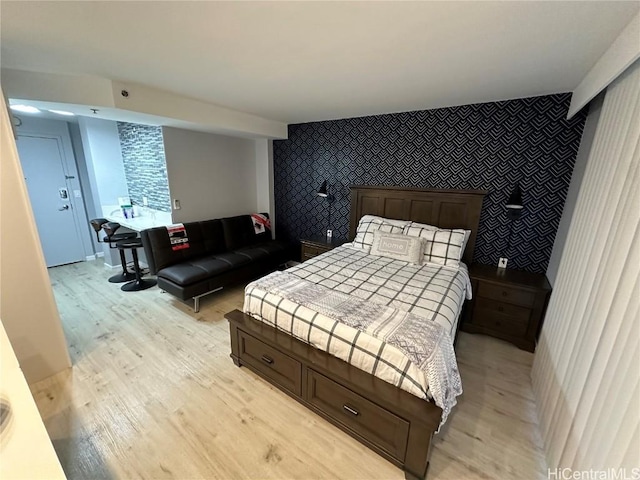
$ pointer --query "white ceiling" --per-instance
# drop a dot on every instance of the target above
(307, 61)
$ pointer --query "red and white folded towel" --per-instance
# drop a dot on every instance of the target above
(261, 223)
(178, 236)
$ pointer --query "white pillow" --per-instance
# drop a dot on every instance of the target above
(391, 221)
(369, 224)
(415, 229)
(400, 247)
(444, 246)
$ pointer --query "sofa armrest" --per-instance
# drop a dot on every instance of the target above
(148, 251)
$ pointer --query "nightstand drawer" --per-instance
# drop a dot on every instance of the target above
(507, 294)
(309, 251)
(310, 248)
(501, 317)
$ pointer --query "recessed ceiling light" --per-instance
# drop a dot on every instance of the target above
(62, 112)
(25, 109)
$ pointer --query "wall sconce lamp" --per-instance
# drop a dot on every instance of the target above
(324, 193)
(514, 204)
(323, 190)
(514, 212)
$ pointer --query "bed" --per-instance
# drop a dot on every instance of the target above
(395, 416)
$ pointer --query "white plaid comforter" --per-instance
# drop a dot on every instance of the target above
(387, 317)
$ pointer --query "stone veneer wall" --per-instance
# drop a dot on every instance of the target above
(144, 164)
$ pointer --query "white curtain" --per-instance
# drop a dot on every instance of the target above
(586, 373)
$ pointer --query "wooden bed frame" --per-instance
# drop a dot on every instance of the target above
(392, 422)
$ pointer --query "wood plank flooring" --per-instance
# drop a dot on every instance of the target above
(154, 394)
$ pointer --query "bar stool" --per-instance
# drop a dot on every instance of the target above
(112, 238)
(139, 283)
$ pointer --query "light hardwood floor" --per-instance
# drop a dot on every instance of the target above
(154, 394)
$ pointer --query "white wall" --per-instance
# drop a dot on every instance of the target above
(105, 169)
(579, 168)
(616, 59)
(102, 152)
(586, 372)
(264, 180)
(85, 184)
(144, 104)
(31, 125)
(56, 87)
(212, 175)
(27, 306)
(183, 112)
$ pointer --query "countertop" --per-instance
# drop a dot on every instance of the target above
(144, 218)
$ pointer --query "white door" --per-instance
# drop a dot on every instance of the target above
(42, 164)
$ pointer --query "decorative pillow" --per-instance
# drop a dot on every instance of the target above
(401, 247)
(444, 246)
(369, 224)
(391, 221)
(415, 229)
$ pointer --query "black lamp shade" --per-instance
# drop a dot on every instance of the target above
(323, 190)
(515, 200)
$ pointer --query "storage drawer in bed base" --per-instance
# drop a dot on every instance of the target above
(390, 421)
(278, 367)
(361, 416)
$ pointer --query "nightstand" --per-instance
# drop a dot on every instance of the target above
(312, 247)
(507, 304)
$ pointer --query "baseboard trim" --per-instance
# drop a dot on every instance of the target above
(95, 256)
(130, 264)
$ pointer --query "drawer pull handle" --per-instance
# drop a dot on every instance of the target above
(267, 359)
(350, 410)
(505, 293)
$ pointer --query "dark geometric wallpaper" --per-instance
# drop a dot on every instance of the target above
(489, 146)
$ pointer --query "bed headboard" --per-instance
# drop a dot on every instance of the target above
(442, 208)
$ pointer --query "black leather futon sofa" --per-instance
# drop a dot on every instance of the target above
(221, 252)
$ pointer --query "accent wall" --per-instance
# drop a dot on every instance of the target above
(489, 146)
(144, 164)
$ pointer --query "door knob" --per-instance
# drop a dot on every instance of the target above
(64, 207)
